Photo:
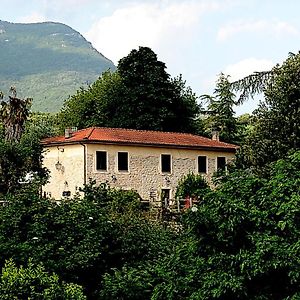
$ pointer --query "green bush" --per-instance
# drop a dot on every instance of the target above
(242, 242)
(80, 239)
(33, 282)
(192, 185)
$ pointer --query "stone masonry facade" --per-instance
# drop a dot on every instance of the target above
(144, 173)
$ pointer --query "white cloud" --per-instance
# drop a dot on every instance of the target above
(278, 28)
(146, 24)
(66, 3)
(34, 17)
(246, 67)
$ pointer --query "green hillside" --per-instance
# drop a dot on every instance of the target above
(47, 61)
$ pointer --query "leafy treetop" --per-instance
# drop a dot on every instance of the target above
(139, 95)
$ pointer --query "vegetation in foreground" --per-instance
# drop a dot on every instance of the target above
(240, 242)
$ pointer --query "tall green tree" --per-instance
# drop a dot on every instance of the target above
(220, 110)
(20, 148)
(140, 95)
(277, 127)
(93, 106)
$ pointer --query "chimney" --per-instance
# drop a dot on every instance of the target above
(68, 133)
(215, 135)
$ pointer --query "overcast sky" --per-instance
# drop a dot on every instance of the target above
(195, 38)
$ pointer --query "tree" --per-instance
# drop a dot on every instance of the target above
(94, 106)
(140, 95)
(277, 127)
(14, 114)
(80, 239)
(241, 243)
(20, 148)
(220, 110)
(192, 185)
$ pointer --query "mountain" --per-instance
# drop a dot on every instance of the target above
(47, 62)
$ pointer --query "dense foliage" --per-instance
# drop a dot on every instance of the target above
(220, 111)
(241, 243)
(192, 185)
(140, 95)
(81, 239)
(20, 147)
(33, 282)
(276, 123)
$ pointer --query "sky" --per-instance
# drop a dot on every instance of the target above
(196, 38)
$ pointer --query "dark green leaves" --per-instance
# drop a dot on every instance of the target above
(139, 95)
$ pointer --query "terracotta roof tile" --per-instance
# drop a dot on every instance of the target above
(139, 137)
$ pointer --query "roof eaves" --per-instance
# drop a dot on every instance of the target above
(159, 145)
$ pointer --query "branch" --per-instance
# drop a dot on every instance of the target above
(251, 85)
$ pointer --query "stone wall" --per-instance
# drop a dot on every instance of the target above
(144, 175)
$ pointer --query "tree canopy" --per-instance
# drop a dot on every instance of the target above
(139, 95)
(20, 147)
(276, 126)
(220, 114)
(242, 242)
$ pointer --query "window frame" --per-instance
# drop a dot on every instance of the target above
(161, 163)
(106, 156)
(117, 165)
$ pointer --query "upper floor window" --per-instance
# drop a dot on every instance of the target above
(123, 161)
(166, 163)
(221, 163)
(202, 164)
(101, 160)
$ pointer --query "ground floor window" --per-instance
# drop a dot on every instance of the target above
(165, 197)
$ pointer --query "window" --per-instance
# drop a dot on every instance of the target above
(166, 163)
(101, 161)
(221, 163)
(66, 194)
(123, 161)
(202, 164)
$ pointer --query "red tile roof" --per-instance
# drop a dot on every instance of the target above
(140, 137)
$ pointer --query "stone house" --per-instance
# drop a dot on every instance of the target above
(150, 162)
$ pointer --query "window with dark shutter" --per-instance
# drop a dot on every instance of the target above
(123, 161)
(101, 161)
(166, 163)
(202, 164)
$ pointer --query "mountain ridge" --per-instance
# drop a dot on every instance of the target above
(47, 61)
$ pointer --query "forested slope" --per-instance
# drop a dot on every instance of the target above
(47, 61)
